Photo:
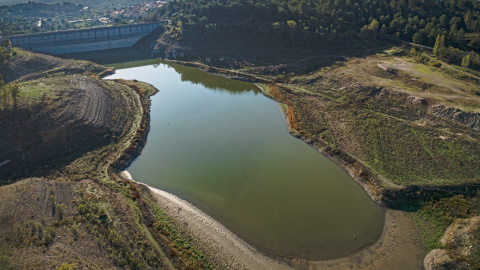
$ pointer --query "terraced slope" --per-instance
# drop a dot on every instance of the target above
(58, 114)
(78, 131)
(58, 119)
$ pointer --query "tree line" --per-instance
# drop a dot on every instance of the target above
(454, 55)
(418, 21)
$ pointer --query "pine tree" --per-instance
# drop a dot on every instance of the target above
(435, 48)
(14, 91)
(466, 61)
(439, 45)
(3, 94)
(413, 52)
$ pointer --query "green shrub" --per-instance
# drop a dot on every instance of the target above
(66, 266)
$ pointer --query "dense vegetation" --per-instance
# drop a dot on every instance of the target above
(420, 21)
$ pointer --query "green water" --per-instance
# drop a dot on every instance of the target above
(223, 146)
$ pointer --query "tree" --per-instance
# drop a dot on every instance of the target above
(4, 97)
(439, 45)
(468, 20)
(466, 61)
(14, 91)
(291, 24)
(417, 38)
(374, 25)
(3, 94)
(413, 52)
(3, 56)
(443, 20)
(7, 45)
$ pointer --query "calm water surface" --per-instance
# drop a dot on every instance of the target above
(223, 146)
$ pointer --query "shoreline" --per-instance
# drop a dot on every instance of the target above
(398, 247)
(398, 243)
(368, 187)
(375, 187)
(380, 190)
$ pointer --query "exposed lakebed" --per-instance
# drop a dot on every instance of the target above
(223, 146)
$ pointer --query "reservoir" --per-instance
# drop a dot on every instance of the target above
(224, 147)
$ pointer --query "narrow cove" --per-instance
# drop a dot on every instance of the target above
(223, 146)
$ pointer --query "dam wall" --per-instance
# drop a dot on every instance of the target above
(84, 40)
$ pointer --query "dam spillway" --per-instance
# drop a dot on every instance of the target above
(85, 40)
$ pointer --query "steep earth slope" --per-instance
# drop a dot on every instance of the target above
(57, 120)
(76, 130)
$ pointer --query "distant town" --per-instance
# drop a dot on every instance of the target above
(130, 13)
(31, 17)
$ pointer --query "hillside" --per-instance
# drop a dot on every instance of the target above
(317, 23)
(61, 122)
(27, 65)
(56, 116)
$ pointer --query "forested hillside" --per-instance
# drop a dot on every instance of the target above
(419, 21)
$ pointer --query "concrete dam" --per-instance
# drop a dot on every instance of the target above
(84, 40)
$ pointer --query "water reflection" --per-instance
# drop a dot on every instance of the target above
(119, 58)
(131, 57)
(212, 82)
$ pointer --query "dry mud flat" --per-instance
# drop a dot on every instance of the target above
(399, 246)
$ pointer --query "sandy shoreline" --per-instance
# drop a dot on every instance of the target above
(399, 246)
(222, 247)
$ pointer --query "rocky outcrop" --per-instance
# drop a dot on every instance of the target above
(438, 259)
(461, 248)
(468, 119)
(416, 101)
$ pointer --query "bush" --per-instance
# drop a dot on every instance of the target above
(49, 235)
(4, 262)
(65, 266)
